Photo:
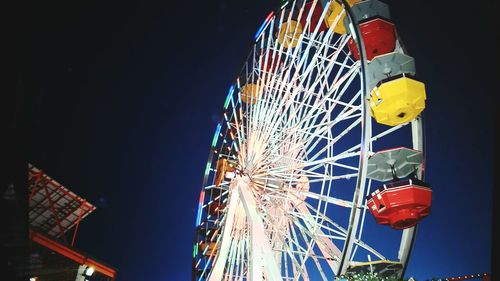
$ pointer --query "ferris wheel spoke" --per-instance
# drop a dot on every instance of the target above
(324, 161)
(290, 172)
(320, 101)
(287, 73)
(239, 134)
(345, 132)
(310, 145)
(370, 249)
(281, 234)
(379, 136)
(299, 253)
(326, 72)
(312, 242)
(326, 230)
(303, 165)
(315, 196)
(291, 247)
(266, 112)
(304, 213)
(315, 214)
(354, 112)
(323, 133)
(360, 233)
(343, 104)
(325, 245)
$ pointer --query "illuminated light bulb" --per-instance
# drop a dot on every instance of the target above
(89, 271)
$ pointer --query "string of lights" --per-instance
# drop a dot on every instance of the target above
(375, 277)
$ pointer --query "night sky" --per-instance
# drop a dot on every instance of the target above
(124, 98)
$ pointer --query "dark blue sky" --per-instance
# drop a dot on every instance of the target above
(125, 96)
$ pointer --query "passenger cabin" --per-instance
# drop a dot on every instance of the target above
(215, 208)
(208, 248)
(225, 169)
(379, 38)
(401, 204)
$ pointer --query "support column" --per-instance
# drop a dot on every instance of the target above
(220, 263)
(262, 260)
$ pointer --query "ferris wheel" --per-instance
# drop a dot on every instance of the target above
(316, 166)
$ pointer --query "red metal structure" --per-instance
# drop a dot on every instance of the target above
(72, 254)
(53, 209)
(53, 212)
(379, 37)
(401, 204)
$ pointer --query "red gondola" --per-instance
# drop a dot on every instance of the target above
(379, 37)
(401, 204)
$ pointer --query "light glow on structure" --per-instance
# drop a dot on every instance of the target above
(230, 175)
(200, 205)
(264, 25)
(284, 5)
(207, 169)
(216, 136)
(205, 268)
(89, 271)
(195, 250)
(229, 94)
(484, 276)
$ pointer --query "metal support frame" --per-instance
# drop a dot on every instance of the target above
(50, 193)
(78, 222)
(38, 176)
(72, 254)
(54, 211)
(262, 255)
(220, 262)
